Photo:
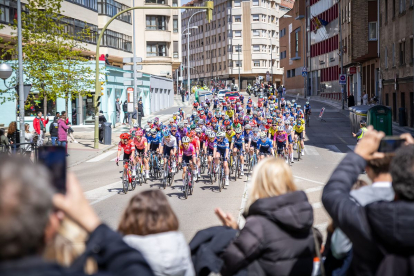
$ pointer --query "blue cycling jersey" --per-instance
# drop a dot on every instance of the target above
(155, 140)
(247, 136)
(255, 138)
(223, 145)
(238, 141)
(265, 145)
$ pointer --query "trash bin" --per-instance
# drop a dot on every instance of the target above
(351, 101)
(380, 117)
(107, 133)
(360, 113)
(401, 116)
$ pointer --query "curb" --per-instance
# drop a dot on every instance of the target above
(93, 156)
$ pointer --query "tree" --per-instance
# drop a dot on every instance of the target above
(52, 54)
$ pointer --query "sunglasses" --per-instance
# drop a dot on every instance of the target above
(186, 144)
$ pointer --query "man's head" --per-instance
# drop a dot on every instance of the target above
(379, 167)
(57, 114)
(39, 113)
(63, 113)
(117, 99)
(363, 123)
(27, 221)
(402, 172)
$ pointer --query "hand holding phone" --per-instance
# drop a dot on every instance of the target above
(390, 144)
(54, 158)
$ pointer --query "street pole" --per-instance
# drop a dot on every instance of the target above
(239, 66)
(341, 55)
(304, 59)
(20, 70)
(271, 61)
(134, 66)
(188, 51)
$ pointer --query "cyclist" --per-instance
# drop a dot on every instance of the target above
(265, 146)
(141, 147)
(188, 155)
(237, 145)
(135, 127)
(210, 147)
(223, 151)
(289, 130)
(299, 130)
(196, 143)
(229, 133)
(127, 145)
(281, 140)
(307, 109)
(168, 148)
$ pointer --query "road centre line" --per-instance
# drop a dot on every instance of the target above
(102, 156)
(313, 181)
(102, 193)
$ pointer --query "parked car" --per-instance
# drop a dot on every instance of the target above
(221, 94)
(232, 95)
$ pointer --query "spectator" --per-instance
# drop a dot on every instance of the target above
(182, 92)
(28, 138)
(39, 125)
(53, 130)
(126, 115)
(278, 231)
(13, 134)
(4, 141)
(102, 120)
(140, 111)
(70, 134)
(381, 228)
(57, 116)
(365, 98)
(284, 91)
(118, 110)
(63, 132)
(151, 227)
(25, 192)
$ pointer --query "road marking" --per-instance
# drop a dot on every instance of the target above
(333, 148)
(317, 205)
(102, 193)
(313, 181)
(102, 156)
(314, 189)
(352, 147)
(240, 220)
(311, 150)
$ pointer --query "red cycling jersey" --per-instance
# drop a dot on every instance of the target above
(128, 147)
(196, 143)
(141, 144)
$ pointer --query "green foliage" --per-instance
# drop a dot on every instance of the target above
(53, 57)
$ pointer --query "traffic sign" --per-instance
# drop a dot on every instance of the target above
(342, 79)
(304, 69)
(304, 74)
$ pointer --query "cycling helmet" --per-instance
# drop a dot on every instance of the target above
(191, 134)
(171, 120)
(195, 113)
(226, 117)
(228, 127)
(293, 101)
(166, 133)
(307, 102)
(198, 130)
(125, 136)
(179, 109)
(227, 122)
(363, 123)
(153, 131)
(180, 124)
(256, 129)
(220, 135)
(214, 120)
(185, 122)
(201, 122)
(247, 127)
(298, 122)
(139, 132)
(193, 126)
(211, 135)
(280, 128)
(269, 120)
(223, 128)
(156, 119)
(298, 106)
(173, 128)
(185, 139)
(149, 122)
(238, 130)
(240, 108)
(263, 135)
(135, 125)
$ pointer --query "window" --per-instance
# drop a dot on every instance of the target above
(256, 63)
(237, 18)
(411, 51)
(292, 73)
(283, 32)
(117, 41)
(237, 3)
(175, 49)
(256, 33)
(76, 27)
(90, 4)
(162, 2)
(402, 53)
(156, 22)
(255, 17)
(238, 63)
(175, 3)
(175, 23)
(156, 49)
(238, 48)
(230, 63)
(402, 6)
(393, 55)
(256, 48)
(283, 55)
(255, 2)
(372, 31)
(349, 12)
(111, 8)
(237, 33)
(288, 73)
(297, 43)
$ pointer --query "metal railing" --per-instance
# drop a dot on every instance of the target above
(25, 149)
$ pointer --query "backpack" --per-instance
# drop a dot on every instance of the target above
(125, 107)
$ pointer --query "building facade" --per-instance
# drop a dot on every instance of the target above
(158, 37)
(292, 48)
(396, 49)
(242, 40)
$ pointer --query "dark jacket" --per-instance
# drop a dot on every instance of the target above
(391, 222)
(141, 109)
(125, 107)
(278, 234)
(53, 128)
(14, 137)
(134, 114)
(112, 254)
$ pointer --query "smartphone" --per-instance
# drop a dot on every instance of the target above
(390, 144)
(54, 158)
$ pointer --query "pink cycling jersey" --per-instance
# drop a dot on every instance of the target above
(190, 151)
(280, 136)
(140, 144)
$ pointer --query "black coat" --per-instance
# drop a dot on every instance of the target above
(53, 128)
(112, 254)
(14, 137)
(392, 223)
(277, 234)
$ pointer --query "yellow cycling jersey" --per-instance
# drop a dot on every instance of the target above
(299, 129)
(230, 113)
(230, 136)
(272, 131)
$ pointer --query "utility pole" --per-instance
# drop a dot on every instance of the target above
(20, 70)
(271, 61)
(239, 66)
(134, 66)
(188, 50)
(341, 55)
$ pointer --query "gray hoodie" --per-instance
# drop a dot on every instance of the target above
(167, 253)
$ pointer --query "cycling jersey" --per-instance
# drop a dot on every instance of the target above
(247, 136)
(190, 151)
(154, 140)
(128, 148)
(281, 136)
(265, 146)
(230, 136)
(172, 143)
(211, 144)
(272, 131)
(238, 141)
(140, 144)
(230, 113)
(182, 131)
(299, 129)
(223, 145)
(196, 143)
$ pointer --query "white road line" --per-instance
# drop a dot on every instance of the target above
(313, 181)
(311, 150)
(240, 220)
(102, 193)
(352, 147)
(317, 205)
(314, 189)
(102, 156)
(333, 148)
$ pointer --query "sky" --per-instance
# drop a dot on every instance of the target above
(184, 2)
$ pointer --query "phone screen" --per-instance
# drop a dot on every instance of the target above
(390, 144)
(54, 158)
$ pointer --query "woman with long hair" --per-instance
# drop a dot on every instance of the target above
(13, 134)
(151, 227)
(278, 233)
(63, 132)
(28, 138)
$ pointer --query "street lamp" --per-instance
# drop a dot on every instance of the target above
(188, 50)
(5, 71)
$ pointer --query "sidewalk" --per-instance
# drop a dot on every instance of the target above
(84, 150)
(396, 129)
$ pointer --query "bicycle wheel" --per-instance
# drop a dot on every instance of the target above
(219, 177)
(237, 169)
(125, 184)
(203, 165)
(299, 149)
(223, 179)
(186, 188)
(171, 178)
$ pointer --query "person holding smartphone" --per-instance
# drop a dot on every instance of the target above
(63, 132)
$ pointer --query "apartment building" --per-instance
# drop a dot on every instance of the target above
(241, 40)
(292, 48)
(396, 50)
(322, 46)
(158, 36)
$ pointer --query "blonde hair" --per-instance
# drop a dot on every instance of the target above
(68, 245)
(271, 177)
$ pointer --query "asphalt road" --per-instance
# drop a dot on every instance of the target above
(325, 145)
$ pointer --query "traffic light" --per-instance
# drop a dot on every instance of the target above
(209, 10)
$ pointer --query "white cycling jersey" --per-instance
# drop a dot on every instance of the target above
(172, 143)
